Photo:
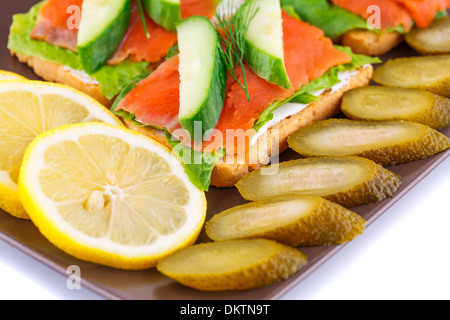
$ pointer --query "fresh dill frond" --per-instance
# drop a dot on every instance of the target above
(142, 15)
(232, 32)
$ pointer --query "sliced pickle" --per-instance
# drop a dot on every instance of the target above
(432, 40)
(298, 221)
(383, 103)
(233, 265)
(430, 73)
(348, 181)
(386, 142)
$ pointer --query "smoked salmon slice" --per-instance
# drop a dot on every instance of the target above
(422, 11)
(191, 8)
(397, 12)
(52, 24)
(155, 100)
(308, 55)
(392, 13)
(137, 47)
(135, 44)
(52, 27)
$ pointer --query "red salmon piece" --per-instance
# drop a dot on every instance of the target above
(51, 25)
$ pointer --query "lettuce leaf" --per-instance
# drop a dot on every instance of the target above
(327, 81)
(333, 20)
(112, 79)
(198, 165)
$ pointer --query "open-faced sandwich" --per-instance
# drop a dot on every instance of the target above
(98, 47)
(251, 74)
(253, 79)
(370, 27)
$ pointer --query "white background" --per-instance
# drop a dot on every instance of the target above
(403, 255)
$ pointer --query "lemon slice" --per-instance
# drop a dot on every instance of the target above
(8, 75)
(109, 195)
(27, 109)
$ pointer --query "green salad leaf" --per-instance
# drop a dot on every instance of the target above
(198, 165)
(112, 79)
(333, 20)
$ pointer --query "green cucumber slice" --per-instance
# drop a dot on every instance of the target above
(166, 13)
(264, 50)
(203, 75)
(101, 30)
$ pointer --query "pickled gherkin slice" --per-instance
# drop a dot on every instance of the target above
(385, 142)
(348, 181)
(233, 265)
(298, 221)
(430, 73)
(434, 39)
(378, 103)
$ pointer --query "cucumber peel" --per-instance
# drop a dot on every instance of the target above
(203, 76)
(101, 31)
(264, 49)
(165, 13)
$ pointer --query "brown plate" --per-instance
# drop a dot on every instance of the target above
(149, 284)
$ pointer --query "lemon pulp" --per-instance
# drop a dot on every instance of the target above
(27, 109)
(108, 195)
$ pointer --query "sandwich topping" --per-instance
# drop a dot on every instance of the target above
(397, 12)
(51, 26)
(337, 17)
(155, 100)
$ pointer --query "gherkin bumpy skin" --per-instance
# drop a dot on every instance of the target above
(430, 73)
(386, 142)
(348, 181)
(377, 103)
(298, 221)
(233, 265)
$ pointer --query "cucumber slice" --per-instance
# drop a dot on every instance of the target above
(203, 76)
(166, 13)
(264, 50)
(101, 30)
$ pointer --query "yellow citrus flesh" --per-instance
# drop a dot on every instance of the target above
(27, 109)
(111, 196)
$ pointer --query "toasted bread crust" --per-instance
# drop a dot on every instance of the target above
(371, 43)
(231, 168)
(54, 72)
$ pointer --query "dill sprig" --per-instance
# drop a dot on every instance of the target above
(232, 32)
(142, 14)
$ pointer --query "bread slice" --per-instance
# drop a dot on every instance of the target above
(55, 72)
(232, 167)
(371, 43)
